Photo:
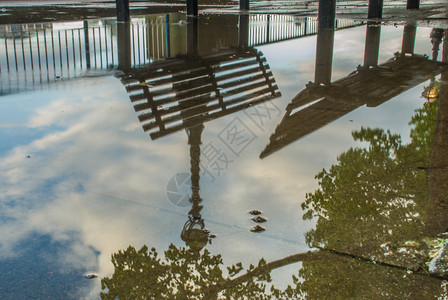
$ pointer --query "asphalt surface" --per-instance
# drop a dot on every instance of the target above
(432, 13)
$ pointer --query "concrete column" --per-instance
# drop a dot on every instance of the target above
(372, 45)
(244, 4)
(192, 35)
(243, 31)
(324, 56)
(327, 13)
(124, 45)
(413, 4)
(122, 10)
(375, 9)
(192, 7)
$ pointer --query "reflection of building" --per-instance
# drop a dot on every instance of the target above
(325, 101)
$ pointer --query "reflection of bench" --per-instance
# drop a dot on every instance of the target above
(370, 86)
(179, 93)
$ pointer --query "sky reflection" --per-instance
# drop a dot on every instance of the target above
(81, 180)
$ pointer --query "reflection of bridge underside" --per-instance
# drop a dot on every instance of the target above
(366, 86)
(187, 91)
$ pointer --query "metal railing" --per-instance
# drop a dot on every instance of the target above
(266, 29)
(39, 54)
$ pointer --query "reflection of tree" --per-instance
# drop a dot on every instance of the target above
(375, 195)
(143, 274)
(370, 205)
(348, 278)
(184, 273)
(373, 204)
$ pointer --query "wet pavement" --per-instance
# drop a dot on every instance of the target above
(229, 156)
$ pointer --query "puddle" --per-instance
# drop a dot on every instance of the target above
(246, 155)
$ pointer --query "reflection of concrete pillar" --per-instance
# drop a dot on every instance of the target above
(324, 56)
(327, 13)
(437, 216)
(192, 35)
(436, 39)
(122, 7)
(244, 4)
(124, 45)
(192, 7)
(325, 41)
(407, 47)
(87, 43)
(243, 31)
(372, 46)
(413, 4)
(375, 9)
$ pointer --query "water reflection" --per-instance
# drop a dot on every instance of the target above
(324, 101)
(437, 220)
(210, 79)
(374, 215)
(381, 203)
(192, 89)
(94, 182)
(183, 273)
(39, 54)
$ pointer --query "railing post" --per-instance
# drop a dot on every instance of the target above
(87, 43)
(122, 10)
(268, 29)
(413, 4)
(168, 37)
(375, 9)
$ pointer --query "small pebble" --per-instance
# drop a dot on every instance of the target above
(258, 228)
(259, 219)
(255, 212)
